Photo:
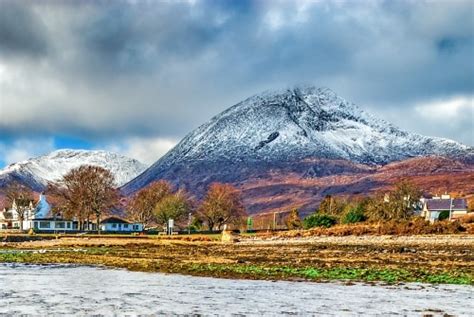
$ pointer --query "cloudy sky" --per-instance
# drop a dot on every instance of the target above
(136, 76)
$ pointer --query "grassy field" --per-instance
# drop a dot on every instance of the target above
(391, 259)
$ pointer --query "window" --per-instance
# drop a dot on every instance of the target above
(125, 226)
(45, 224)
(35, 224)
(69, 225)
(60, 225)
(114, 225)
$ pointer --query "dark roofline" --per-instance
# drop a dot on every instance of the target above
(49, 219)
(114, 219)
(445, 204)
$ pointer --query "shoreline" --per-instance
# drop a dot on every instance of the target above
(340, 282)
(154, 294)
(370, 259)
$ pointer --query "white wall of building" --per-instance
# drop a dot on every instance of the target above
(121, 227)
(48, 225)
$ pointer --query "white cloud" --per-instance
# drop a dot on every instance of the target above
(451, 108)
(146, 150)
(23, 149)
(451, 118)
(114, 72)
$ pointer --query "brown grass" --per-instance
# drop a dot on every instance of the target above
(412, 227)
(437, 254)
(469, 218)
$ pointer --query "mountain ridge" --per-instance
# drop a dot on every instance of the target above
(37, 172)
(275, 128)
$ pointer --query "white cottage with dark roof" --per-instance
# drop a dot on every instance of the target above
(445, 207)
(117, 224)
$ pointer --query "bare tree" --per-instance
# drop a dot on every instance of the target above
(100, 191)
(68, 197)
(84, 192)
(141, 205)
(333, 206)
(403, 199)
(221, 205)
(58, 202)
(399, 204)
(21, 198)
(293, 221)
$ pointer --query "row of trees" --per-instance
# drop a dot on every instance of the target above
(398, 204)
(84, 193)
(157, 203)
(87, 193)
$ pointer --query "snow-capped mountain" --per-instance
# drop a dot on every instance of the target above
(38, 172)
(292, 129)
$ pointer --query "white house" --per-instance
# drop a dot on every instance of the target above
(9, 219)
(116, 224)
(39, 219)
(51, 224)
(444, 206)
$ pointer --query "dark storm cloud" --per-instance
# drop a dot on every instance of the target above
(21, 31)
(129, 69)
(143, 36)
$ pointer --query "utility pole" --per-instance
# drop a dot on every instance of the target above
(450, 208)
(189, 223)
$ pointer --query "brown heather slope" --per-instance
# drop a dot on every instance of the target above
(282, 191)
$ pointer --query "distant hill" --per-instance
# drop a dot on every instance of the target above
(37, 172)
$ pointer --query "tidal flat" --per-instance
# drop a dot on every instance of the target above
(72, 290)
(423, 259)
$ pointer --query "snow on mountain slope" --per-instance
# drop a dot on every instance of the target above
(286, 127)
(37, 172)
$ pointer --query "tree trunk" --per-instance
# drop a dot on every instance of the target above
(98, 222)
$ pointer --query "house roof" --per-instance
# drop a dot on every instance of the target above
(50, 219)
(114, 219)
(7, 215)
(444, 204)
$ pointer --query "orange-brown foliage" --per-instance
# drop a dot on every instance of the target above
(412, 227)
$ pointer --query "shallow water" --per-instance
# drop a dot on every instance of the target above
(83, 290)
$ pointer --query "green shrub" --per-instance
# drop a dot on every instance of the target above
(318, 220)
(443, 215)
(354, 215)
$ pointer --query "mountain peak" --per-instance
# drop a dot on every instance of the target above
(283, 127)
(39, 171)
